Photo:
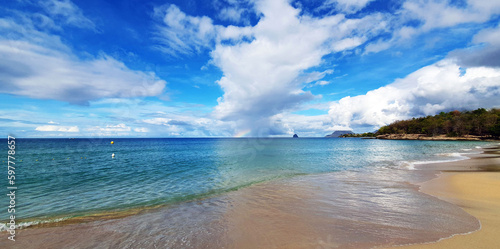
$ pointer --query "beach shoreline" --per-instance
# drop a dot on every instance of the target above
(319, 211)
(435, 138)
(471, 184)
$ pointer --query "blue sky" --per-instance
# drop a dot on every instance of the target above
(241, 67)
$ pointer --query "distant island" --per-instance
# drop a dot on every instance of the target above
(340, 133)
(480, 124)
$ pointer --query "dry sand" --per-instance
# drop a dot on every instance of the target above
(474, 185)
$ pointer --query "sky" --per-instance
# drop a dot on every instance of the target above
(241, 68)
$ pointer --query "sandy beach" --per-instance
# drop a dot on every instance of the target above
(472, 185)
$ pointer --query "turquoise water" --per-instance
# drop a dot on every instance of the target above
(63, 178)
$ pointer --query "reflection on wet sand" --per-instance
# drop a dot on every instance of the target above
(347, 211)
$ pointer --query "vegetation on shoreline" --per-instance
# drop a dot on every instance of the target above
(366, 134)
(480, 122)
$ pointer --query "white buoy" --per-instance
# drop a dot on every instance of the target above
(113, 155)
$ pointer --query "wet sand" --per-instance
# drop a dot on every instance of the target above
(474, 186)
(347, 209)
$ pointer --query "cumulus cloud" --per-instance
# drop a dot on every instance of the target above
(439, 87)
(485, 52)
(38, 65)
(34, 71)
(265, 67)
(265, 76)
(58, 128)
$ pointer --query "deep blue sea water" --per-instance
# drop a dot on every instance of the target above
(64, 178)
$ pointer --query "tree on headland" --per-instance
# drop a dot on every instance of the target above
(366, 134)
(480, 122)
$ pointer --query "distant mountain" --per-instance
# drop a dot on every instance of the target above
(339, 133)
(295, 136)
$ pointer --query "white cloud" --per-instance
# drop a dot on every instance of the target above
(267, 69)
(231, 13)
(265, 66)
(182, 34)
(347, 6)
(233, 33)
(439, 14)
(66, 12)
(236, 11)
(157, 121)
(306, 78)
(38, 65)
(306, 126)
(348, 43)
(118, 118)
(34, 71)
(58, 128)
(378, 46)
(323, 83)
(192, 126)
(432, 14)
(43, 22)
(427, 91)
(490, 36)
(265, 76)
(144, 130)
(111, 128)
(485, 52)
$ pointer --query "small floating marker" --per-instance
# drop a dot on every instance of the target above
(52, 158)
(112, 142)
(113, 155)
